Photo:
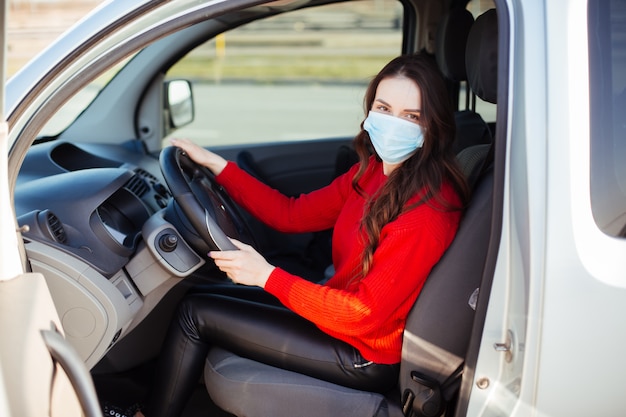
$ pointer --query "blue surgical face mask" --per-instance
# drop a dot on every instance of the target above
(394, 139)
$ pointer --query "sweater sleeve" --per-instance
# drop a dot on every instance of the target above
(409, 247)
(317, 210)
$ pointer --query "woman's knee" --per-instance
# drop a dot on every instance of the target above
(188, 316)
(199, 315)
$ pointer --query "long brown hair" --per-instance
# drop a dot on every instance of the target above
(425, 171)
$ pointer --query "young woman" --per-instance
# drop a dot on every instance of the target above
(393, 215)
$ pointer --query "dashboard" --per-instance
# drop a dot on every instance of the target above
(92, 217)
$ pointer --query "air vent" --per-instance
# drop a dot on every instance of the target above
(146, 175)
(137, 186)
(55, 227)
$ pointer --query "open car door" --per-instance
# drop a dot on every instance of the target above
(40, 373)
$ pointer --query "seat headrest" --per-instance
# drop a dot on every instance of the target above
(481, 56)
(450, 43)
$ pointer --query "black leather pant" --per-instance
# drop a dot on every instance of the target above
(252, 323)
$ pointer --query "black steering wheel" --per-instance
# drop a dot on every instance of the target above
(205, 204)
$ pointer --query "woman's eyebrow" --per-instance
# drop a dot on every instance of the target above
(383, 102)
(380, 100)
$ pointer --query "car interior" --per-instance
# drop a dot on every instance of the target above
(104, 209)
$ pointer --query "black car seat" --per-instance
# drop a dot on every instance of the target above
(437, 331)
(450, 48)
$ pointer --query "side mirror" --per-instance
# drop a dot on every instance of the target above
(179, 108)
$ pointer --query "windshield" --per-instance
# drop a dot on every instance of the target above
(79, 102)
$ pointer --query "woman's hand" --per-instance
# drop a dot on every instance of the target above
(201, 156)
(244, 266)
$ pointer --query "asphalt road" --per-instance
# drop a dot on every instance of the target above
(231, 114)
(247, 113)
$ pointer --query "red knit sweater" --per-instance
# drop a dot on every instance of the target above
(369, 314)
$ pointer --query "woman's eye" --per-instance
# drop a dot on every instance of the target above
(412, 117)
(381, 108)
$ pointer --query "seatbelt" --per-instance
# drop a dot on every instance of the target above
(428, 397)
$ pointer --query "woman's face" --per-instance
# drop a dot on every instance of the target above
(398, 97)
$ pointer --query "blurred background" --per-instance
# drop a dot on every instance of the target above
(304, 61)
(33, 24)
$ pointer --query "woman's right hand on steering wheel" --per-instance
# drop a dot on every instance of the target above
(201, 156)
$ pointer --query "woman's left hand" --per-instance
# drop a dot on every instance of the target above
(244, 266)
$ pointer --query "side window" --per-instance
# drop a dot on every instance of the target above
(299, 75)
(607, 57)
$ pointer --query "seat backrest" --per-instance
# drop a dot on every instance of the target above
(439, 326)
(450, 51)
